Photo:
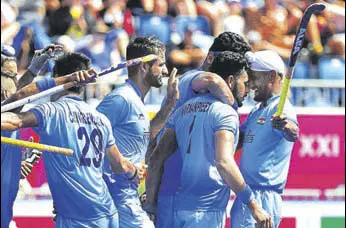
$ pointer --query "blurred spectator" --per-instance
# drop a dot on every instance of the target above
(235, 22)
(145, 6)
(187, 56)
(334, 18)
(272, 22)
(161, 7)
(183, 8)
(215, 11)
(58, 18)
(78, 27)
(9, 26)
(29, 10)
(113, 13)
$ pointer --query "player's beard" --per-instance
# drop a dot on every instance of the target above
(154, 80)
(237, 95)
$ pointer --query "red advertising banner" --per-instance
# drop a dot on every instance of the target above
(318, 158)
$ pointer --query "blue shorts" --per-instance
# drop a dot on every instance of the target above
(270, 201)
(131, 215)
(165, 212)
(105, 222)
(205, 219)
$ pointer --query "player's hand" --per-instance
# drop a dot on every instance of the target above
(83, 77)
(41, 56)
(9, 122)
(25, 169)
(35, 157)
(172, 87)
(290, 129)
(262, 218)
(28, 164)
(280, 122)
(141, 171)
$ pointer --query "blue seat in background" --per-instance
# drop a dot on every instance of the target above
(301, 71)
(200, 23)
(316, 97)
(158, 26)
(332, 68)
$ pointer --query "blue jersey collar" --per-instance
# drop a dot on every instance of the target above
(134, 86)
(235, 106)
(270, 100)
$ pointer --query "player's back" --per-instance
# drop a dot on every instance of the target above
(195, 124)
(76, 182)
(170, 181)
(131, 128)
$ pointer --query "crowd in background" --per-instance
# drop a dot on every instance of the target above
(101, 29)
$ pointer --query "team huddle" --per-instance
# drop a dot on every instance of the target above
(188, 146)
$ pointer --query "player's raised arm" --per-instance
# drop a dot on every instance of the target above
(47, 83)
(228, 169)
(160, 119)
(214, 84)
(39, 60)
(165, 148)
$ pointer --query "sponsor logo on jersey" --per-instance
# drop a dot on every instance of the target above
(261, 121)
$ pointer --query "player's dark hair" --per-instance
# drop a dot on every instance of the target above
(70, 63)
(230, 41)
(229, 63)
(142, 46)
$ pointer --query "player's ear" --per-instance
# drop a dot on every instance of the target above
(144, 67)
(273, 76)
(230, 81)
(210, 58)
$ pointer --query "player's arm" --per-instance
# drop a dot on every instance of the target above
(240, 141)
(39, 60)
(229, 171)
(47, 83)
(289, 128)
(214, 84)
(165, 148)
(12, 121)
(160, 119)
(119, 164)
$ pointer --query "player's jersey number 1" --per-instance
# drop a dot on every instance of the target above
(95, 141)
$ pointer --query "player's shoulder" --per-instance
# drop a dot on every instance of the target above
(118, 95)
(190, 75)
(217, 106)
(103, 118)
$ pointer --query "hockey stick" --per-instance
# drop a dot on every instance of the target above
(297, 46)
(37, 146)
(69, 85)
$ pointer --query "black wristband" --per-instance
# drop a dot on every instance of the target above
(134, 175)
